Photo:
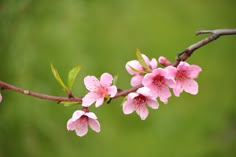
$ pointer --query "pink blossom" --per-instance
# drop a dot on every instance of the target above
(80, 122)
(139, 69)
(184, 76)
(138, 101)
(159, 83)
(98, 89)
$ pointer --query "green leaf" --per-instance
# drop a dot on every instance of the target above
(142, 61)
(72, 75)
(69, 103)
(138, 71)
(58, 78)
(115, 79)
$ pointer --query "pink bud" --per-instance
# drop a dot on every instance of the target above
(164, 61)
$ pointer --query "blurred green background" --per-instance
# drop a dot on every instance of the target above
(102, 36)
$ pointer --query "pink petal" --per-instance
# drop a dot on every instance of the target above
(153, 63)
(106, 79)
(170, 83)
(183, 66)
(94, 125)
(136, 80)
(89, 99)
(164, 93)
(91, 83)
(91, 115)
(148, 79)
(144, 91)
(82, 128)
(77, 114)
(190, 86)
(160, 71)
(153, 104)
(128, 107)
(146, 59)
(194, 70)
(142, 111)
(132, 95)
(178, 88)
(112, 91)
(71, 125)
(99, 101)
(134, 64)
(171, 71)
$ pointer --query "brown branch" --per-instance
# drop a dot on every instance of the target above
(4, 85)
(214, 34)
(184, 55)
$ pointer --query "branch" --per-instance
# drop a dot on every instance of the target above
(4, 85)
(183, 56)
(213, 35)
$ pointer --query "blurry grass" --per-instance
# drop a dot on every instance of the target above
(102, 36)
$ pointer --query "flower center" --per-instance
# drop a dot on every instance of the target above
(181, 75)
(102, 91)
(140, 99)
(158, 80)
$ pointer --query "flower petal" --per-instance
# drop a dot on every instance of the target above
(91, 83)
(82, 130)
(112, 91)
(136, 80)
(142, 111)
(144, 91)
(89, 99)
(152, 103)
(148, 79)
(77, 114)
(153, 63)
(82, 126)
(194, 70)
(178, 88)
(128, 107)
(134, 64)
(91, 115)
(71, 125)
(171, 71)
(106, 79)
(190, 86)
(164, 93)
(99, 102)
(94, 125)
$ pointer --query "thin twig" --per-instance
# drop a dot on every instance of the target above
(213, 35)
(4, 85)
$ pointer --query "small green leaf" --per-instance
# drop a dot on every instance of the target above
(58, 78)
(72, 75)
(115, 79)
(138, 71)
(69, 103)
(142, 61)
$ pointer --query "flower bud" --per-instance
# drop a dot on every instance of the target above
(164, 61)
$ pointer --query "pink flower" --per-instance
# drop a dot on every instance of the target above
(139, 69)
(159, 83)
(184, 76)
(80, 122)
(138, 101)
(98, 89)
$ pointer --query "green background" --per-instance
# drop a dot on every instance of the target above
(102, 36)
